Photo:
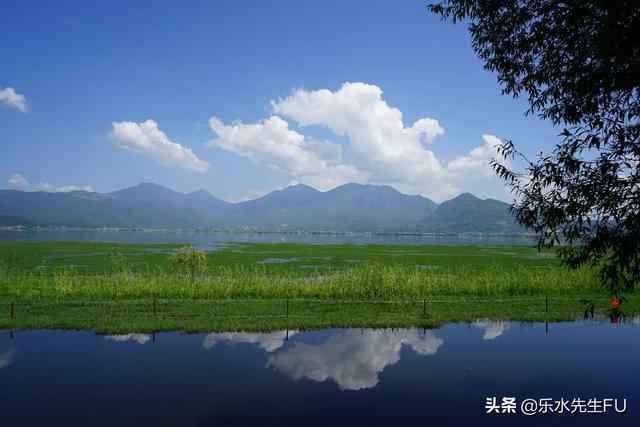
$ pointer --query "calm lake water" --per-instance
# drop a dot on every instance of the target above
(211, 239)
(328, 377)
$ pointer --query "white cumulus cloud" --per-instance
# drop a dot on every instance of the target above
(378, 139)
(334, 176)
(10, 97)
(18, 181)
(51, 188)
(378, 149)
(477, 162)
(146, 138)
(272, 143)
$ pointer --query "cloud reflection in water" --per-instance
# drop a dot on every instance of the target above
(6, 358)
(139, 338)
(352, 361)
(269, 342)
(492, 328)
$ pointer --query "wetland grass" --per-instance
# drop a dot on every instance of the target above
(78, 285)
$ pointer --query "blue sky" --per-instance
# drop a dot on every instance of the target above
(122, 92)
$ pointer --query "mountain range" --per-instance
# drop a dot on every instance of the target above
(350, 207)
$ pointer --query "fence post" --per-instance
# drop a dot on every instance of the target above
(12, 309)
(546, 315)
(424, 307)
(154, 308)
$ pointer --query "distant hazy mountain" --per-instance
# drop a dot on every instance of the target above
(350, 207)
(469, 214)
(145, 205)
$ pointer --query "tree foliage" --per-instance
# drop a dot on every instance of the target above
(119, 263)
(578, 64)
(188, 258)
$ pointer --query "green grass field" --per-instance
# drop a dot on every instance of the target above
(249, 286)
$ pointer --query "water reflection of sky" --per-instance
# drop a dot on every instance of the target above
(208, 240)
(135, 337)
(492, 328)
(352, 361)
(311, 377)
(6, 358)
(268, 341)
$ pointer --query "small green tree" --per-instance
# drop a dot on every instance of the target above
(119, 263)
(190, 259)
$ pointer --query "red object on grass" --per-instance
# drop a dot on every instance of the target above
(614, 303)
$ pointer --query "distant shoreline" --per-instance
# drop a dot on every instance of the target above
(257, 231)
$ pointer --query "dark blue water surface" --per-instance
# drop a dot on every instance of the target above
(208, 240)
(328, 377)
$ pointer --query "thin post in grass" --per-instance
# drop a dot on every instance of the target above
(154, 307)
(287, 320)
(424, 308)
(12, 309)
(546, 315)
